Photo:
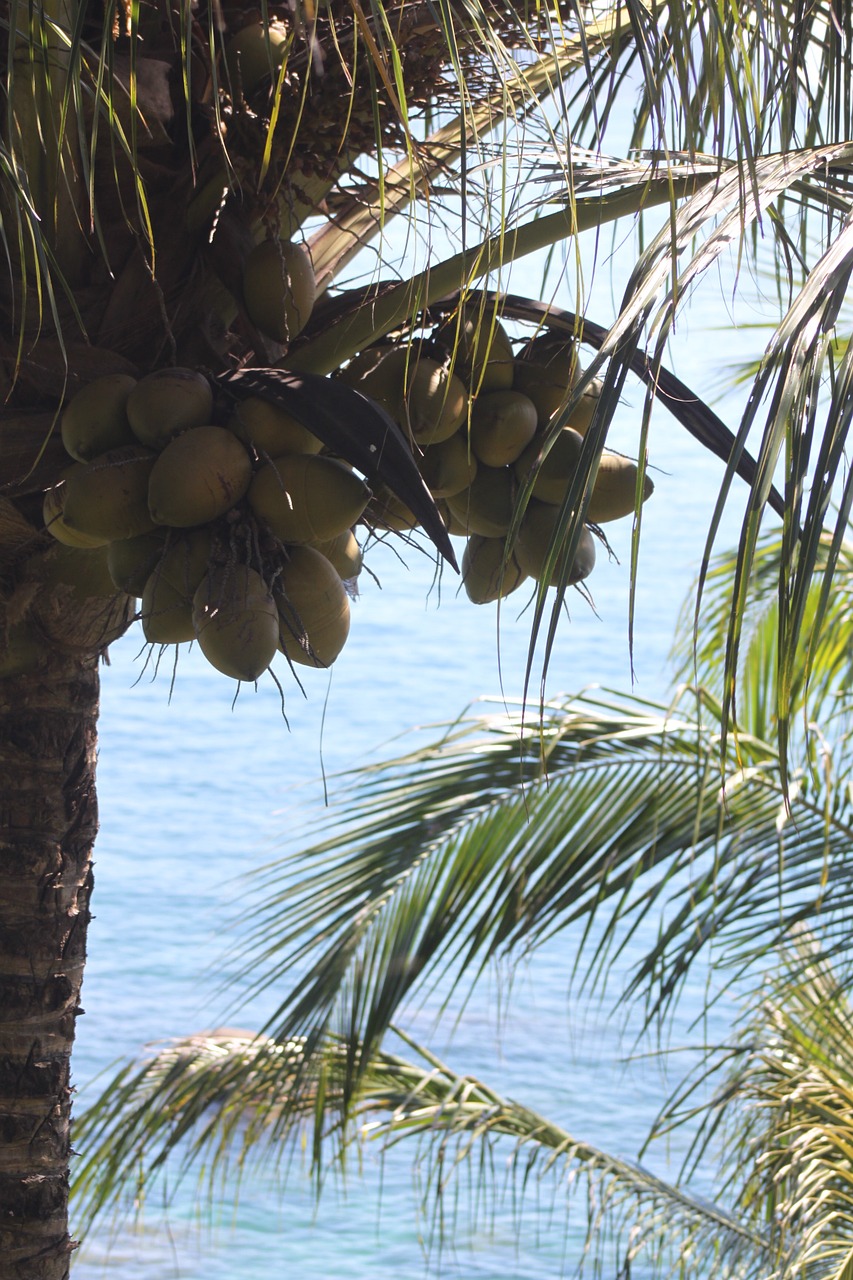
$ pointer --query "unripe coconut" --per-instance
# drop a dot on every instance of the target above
(481, 351)
(108, 497)
(236, 621)
(384, 381)
(360, 365)
(343, 554)
(485, 576)
(557, 468)
(534, 538)
(435, 402)
(279, 288)
(313, 607)
(581, 416)
(307, 498)
(83, 570)
(255, 54)
(502, 425)
(449, 467)
(546, 371)
(199, 476)
(270, 430)
(615, 491)
(167, 402)
(386, 511)
(95, 419)
(452, 523)
(487, 506)
(131, 561)
(54, 523)
(167, 598)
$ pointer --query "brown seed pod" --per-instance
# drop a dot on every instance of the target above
(502, 425)
(279, 288)
(198, 477)
(313, 607)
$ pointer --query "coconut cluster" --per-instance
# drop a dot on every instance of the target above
(479, 419)
(235, 533)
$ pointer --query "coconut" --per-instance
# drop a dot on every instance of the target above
(271, 430)
(95, 419)
(581, 416)
(481, 351)
(55, 524)
(199, 476)
(435, 402)
(313, 608)
(167, 402)
(343, 554)
(546, 371)
(384, 379)
(557, 468)
(354, 373)
(85, 571)
(108, 497)
(167, 599)
(236, 621)
(449, 467)
(502, 425)
(131, 561)
(279, 288)
(307, 498)
(535, 535)
(255, 54)
(386, 511)
(486, 507)
(615, 491)
(487, 572)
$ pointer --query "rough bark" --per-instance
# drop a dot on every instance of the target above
(49, 819)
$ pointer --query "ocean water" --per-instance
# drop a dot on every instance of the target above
(196, 788)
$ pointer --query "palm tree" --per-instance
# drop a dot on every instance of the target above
(513, 827)
(143, 152)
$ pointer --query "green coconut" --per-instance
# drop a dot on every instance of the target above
(384, 379)
(448, 467)
(615, 491)
(131, 561)
(167, 598)
(236, 621)
(307, 498)
(198, 477)
(279, 288)
(343, 554)
(502, 425)
(581, 416)
(55, 524)
(435, 402)
(271, 430)
(386, 511)
(557, 468)
(255, 54)
(84, 570)
(487, 574)
(167, 402)
(108, 497)
(95, 419)
(535, 535)
(486, 507)
(354, 373)
(313, 607)
(481, 351)
(546, 370)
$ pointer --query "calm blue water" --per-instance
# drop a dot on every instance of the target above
(194, 790)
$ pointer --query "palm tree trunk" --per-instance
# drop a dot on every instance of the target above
(49, 819)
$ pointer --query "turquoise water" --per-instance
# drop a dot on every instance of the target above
(196, 789)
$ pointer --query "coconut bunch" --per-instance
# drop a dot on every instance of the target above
(228, 523)
(480, 421)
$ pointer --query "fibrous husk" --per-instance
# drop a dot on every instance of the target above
(314, 609)
(199, 476)
(236, 621)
